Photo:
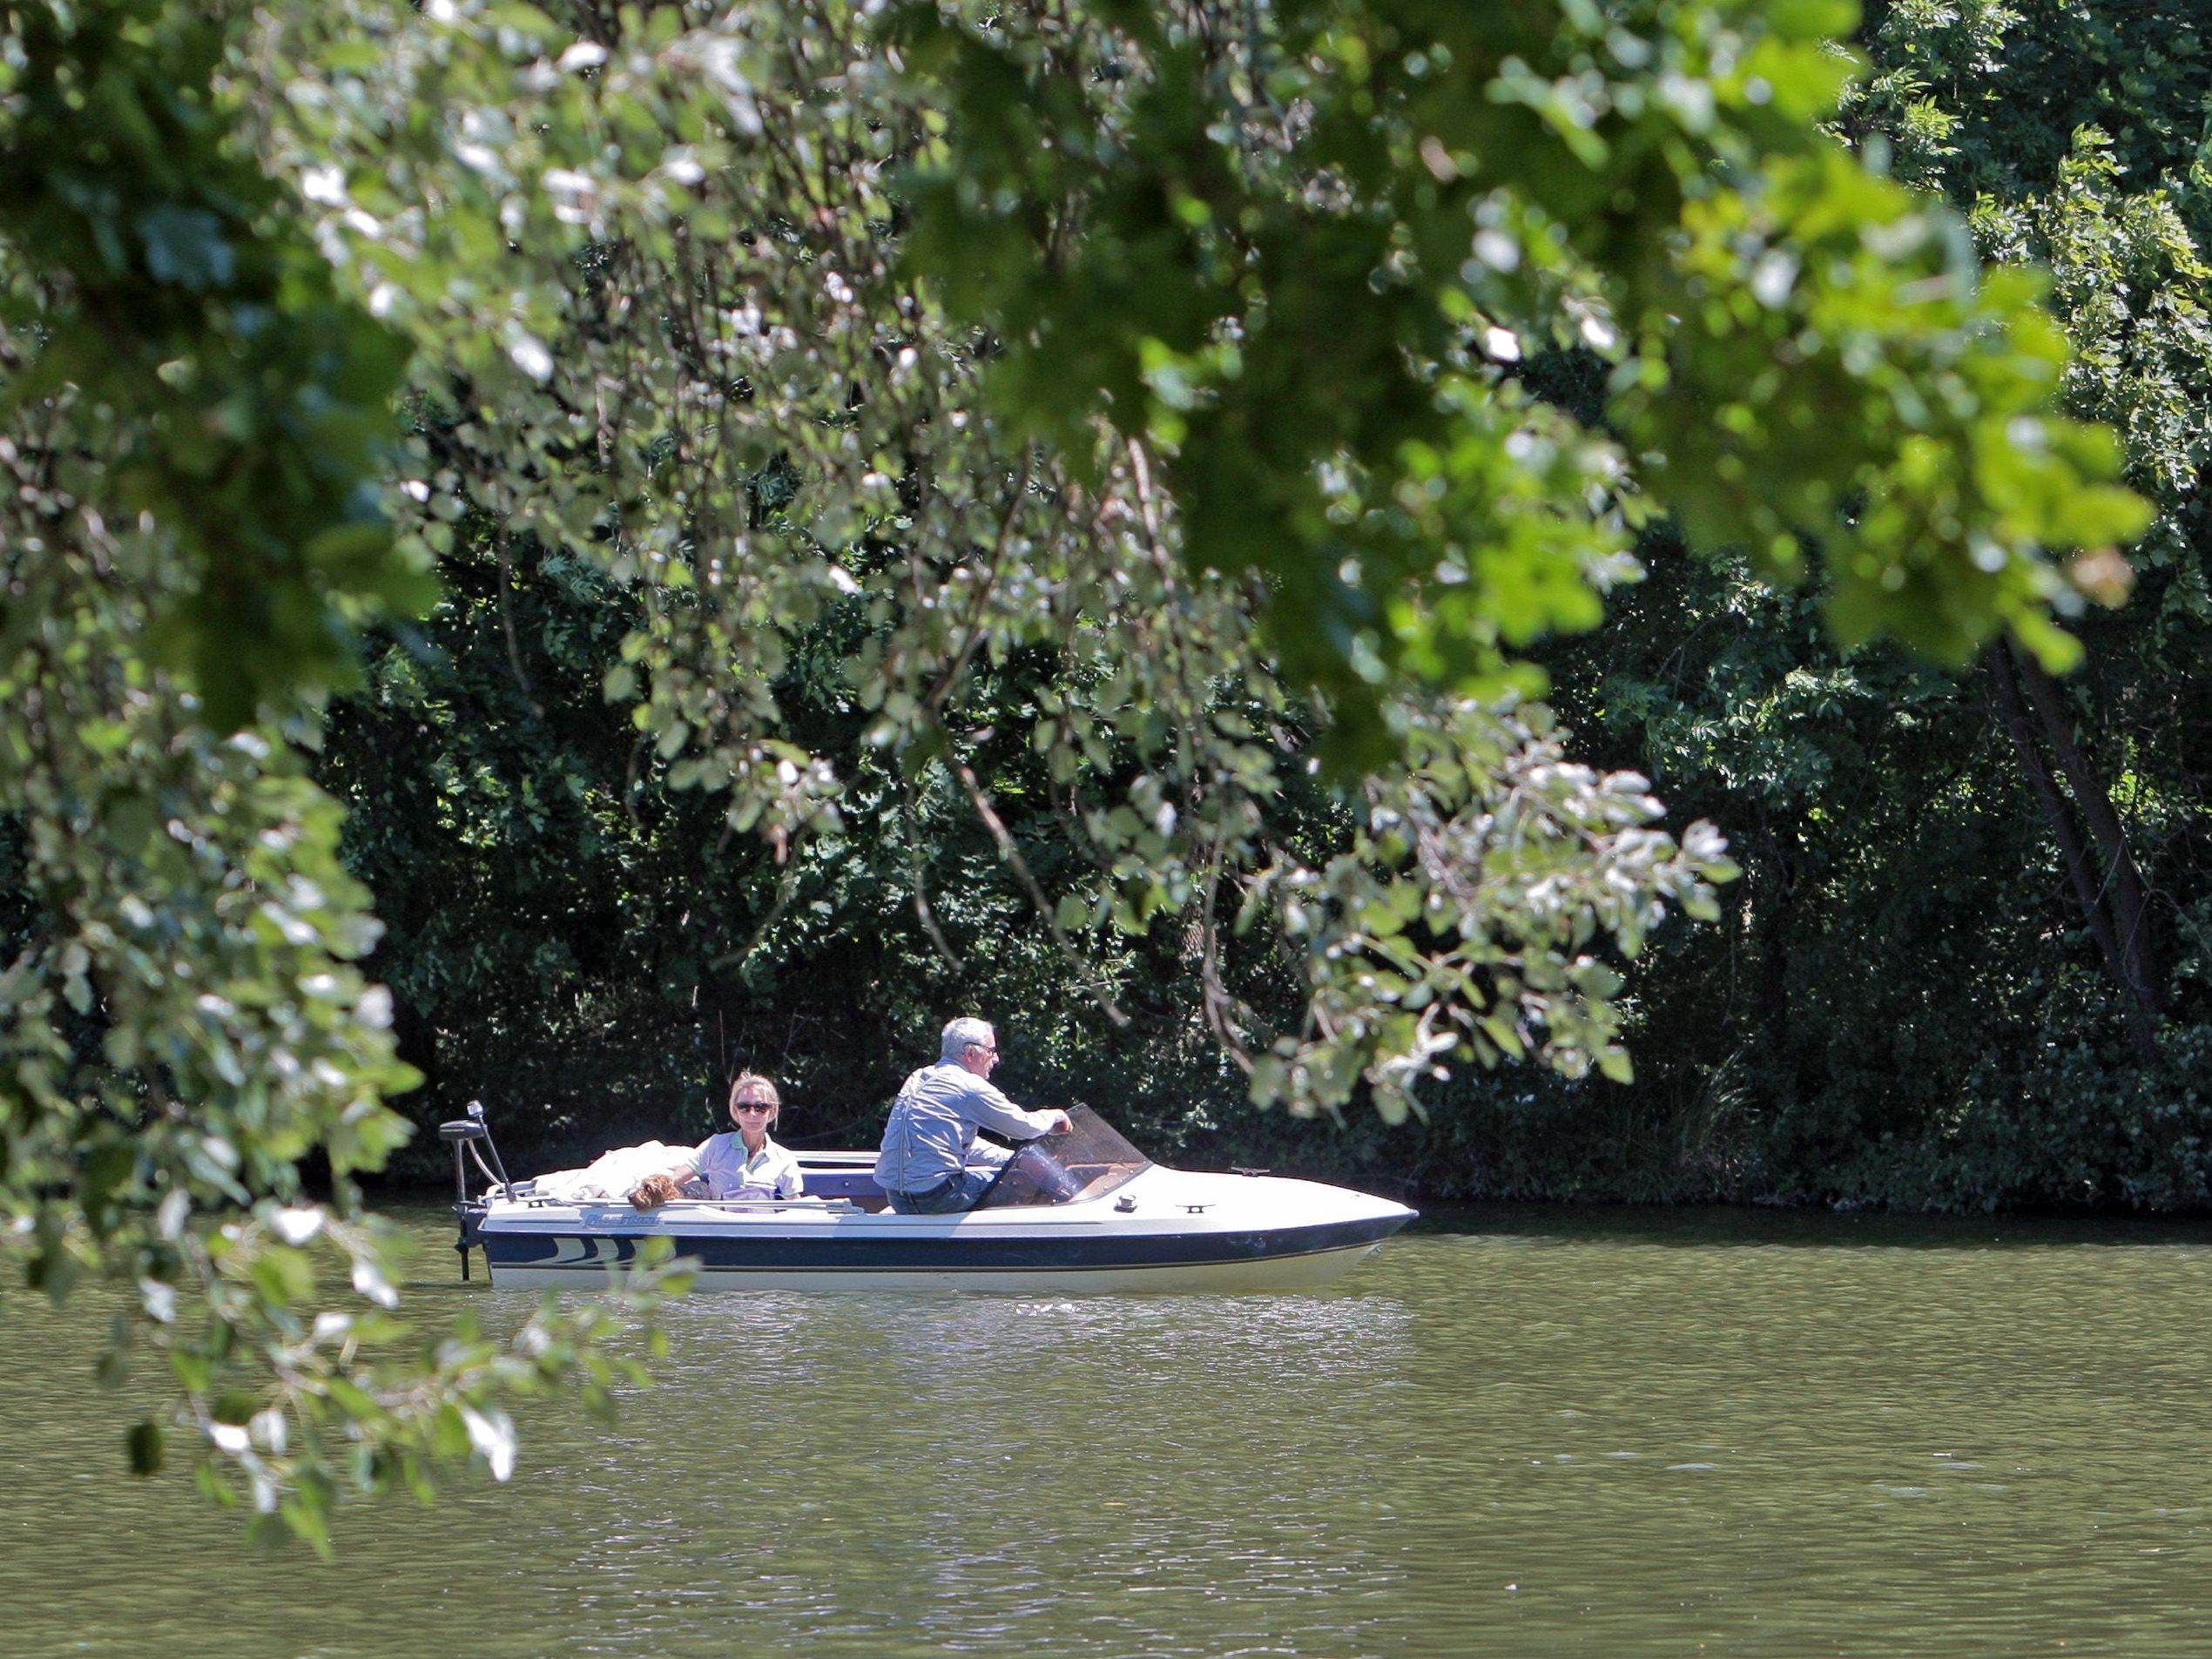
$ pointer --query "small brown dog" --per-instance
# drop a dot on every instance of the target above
(656, 1190)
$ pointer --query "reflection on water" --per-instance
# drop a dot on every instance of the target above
(1626, 1433)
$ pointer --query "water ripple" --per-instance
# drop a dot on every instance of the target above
(1623, 1437)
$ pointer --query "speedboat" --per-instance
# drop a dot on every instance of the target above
(1082, 1211)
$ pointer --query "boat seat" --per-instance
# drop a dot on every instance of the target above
(858, 1186)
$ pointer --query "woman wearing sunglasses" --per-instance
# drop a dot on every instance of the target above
(745, 1166)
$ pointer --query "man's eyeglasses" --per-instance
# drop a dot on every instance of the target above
(756, 1106)
(988, 1048)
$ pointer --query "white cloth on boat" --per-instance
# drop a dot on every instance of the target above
(611, 1174)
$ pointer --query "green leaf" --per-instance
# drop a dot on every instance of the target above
(144, 1446)
(1814, 20)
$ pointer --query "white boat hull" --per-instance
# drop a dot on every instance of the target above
(1164, 1231)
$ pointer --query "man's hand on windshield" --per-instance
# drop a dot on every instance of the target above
(1062, 1124)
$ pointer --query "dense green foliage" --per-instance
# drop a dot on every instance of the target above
(1069, 515)
(862, 599)
(164, 286)
(194, 421)
(1902, 879)
(1909, 1003)
(1204, 222)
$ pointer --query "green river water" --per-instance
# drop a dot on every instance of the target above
(1613, 1432)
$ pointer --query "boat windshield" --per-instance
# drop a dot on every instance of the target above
(1091, 1158)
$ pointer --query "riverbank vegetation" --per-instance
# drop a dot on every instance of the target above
(555, 556)
(1908, 999)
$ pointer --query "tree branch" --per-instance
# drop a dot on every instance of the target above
(1075, 959)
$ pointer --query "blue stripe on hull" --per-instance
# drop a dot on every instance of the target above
(964, 1254)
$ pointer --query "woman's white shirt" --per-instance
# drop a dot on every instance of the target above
(729, 1172)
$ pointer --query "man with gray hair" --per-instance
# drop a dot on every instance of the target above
(930, 1164)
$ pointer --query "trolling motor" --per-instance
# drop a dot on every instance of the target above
(472, 1136)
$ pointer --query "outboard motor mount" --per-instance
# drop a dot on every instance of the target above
(470, 1138)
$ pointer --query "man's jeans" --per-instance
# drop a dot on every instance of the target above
(954, 1192)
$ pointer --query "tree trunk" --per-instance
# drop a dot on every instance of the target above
(1774, 967)
(2124, 885)
(2139, 1007)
